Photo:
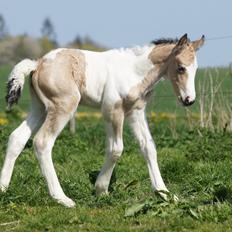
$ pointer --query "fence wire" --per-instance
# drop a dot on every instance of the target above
(155, 96)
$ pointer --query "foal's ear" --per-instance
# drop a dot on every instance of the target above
(181, 44)
(198, 43)
(183, 40)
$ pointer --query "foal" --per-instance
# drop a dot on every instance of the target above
(119, 82)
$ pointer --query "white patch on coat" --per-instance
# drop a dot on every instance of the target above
(52, 54)
(143, 65)
(110, 75)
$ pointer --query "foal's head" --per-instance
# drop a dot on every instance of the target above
(179, 59)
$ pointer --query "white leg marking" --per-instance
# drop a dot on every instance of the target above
(113, 153)
(138, 123)
(43, 143)
(17, 141)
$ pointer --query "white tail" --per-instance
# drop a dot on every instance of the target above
(16, 80)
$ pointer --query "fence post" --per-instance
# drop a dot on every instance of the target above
(72, 125)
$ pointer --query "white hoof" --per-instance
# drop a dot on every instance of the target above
(101, 191)
(175, 198)
(164, 194)
(67, 202)
(3, 188)
(167, 196)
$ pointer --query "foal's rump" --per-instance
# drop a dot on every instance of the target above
(56, 79)
(54, 83)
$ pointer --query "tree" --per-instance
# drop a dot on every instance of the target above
(48, 30)
(3, 29)
(78, 41)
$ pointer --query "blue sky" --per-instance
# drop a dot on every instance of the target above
(125, 23)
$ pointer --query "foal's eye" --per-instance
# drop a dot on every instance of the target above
(181, 69)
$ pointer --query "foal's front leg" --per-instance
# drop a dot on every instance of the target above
(113, 152)
(138, 123)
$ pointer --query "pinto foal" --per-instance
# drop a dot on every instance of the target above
(119, 82)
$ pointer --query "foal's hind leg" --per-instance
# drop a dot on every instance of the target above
(44, 140)
(19, 138)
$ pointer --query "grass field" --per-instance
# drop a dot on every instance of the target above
(196, 165)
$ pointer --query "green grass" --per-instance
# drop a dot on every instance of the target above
(196, 165)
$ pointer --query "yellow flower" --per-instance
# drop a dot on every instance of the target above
(3, 121)
(83, 115)
(157, 117)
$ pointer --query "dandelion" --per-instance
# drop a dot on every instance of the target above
(3, 121)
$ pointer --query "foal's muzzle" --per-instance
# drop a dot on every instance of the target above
(187, 102)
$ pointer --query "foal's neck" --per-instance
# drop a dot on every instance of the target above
(150, 74)
(142, 62)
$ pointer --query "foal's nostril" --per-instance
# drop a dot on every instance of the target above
(187, 101)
